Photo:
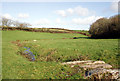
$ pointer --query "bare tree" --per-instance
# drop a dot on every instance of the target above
(6, 22)
(16, 24)
(24, 25)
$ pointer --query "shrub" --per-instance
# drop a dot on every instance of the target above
(106, 28)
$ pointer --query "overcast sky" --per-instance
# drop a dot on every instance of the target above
(68, 15)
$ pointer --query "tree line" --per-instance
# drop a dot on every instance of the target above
(5, 22)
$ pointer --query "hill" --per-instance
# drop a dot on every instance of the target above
(50, 50)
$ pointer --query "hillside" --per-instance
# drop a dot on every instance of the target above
(49, 30)
(51, 49)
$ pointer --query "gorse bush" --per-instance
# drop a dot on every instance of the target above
(106, 28)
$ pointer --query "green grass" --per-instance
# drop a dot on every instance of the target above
(60, 50)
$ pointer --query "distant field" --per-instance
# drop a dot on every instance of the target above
(50, 50)
(47, 30)
(83, 31)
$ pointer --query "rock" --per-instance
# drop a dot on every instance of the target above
(34, 40)
(77, 62)
(99, 62)
(101, 73)
(89, 64)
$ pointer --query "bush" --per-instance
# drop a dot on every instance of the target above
(106, 28)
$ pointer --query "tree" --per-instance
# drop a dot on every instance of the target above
(106, 28)
(24, 24)
(18, 24)
(6, 22)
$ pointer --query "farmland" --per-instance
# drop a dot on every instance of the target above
(50, 50)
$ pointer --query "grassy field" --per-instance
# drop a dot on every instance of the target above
(50, 50)
(83, 31)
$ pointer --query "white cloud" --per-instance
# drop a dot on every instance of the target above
(75, 23)
(70, 10)
(23, 15)
(61, 12)
(42, 21)
(85, 21)
(8, 16)
(58, 20)
(114, 6)
(78, 10)
(81, 11)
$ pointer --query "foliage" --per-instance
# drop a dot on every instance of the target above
(106, 28)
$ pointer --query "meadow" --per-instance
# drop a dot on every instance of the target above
(50, 50)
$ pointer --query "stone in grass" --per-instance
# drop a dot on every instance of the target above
(77, 62)
(34, 40)
(99, 62)
(101, 73)
(88, 64)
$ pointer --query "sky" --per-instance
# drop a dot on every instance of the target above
(68, 15)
